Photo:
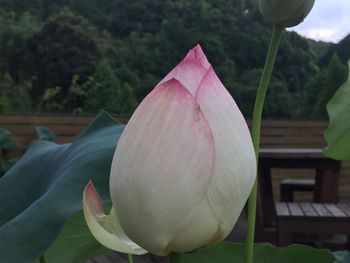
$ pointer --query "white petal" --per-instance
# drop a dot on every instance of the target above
(235, 167)
(162, 166)
(106, 229)
(199, 228)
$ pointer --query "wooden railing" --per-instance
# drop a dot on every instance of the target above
(293, 134)
(274, 134)
(66, 127)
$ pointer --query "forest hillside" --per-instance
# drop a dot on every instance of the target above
(85, 55)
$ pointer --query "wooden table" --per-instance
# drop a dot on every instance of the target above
(326, 180)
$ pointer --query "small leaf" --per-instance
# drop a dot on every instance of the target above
(7, 145)
(5, 140)
(4, 134)
(45, 134)
(263, 253)
(342, 256)
(337, 134)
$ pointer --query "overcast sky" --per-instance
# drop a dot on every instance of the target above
(329, 20)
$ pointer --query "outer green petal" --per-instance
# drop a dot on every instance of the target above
(106, 229)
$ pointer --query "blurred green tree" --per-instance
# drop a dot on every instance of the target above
(321, 87)
(64, 47)
(14, 97)
(14, 30)
(105, 91)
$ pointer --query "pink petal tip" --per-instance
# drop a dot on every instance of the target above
(92, 197)
(197, 55)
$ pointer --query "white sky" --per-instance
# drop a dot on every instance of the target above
(329, 20)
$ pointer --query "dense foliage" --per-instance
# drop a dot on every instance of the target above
(84, 55)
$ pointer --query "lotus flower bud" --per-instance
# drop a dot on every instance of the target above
(286, 13)
(182, 170)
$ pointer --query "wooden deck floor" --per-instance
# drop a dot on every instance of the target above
(237, 235)
(114, 257)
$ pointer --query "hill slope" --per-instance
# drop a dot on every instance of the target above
(140, 41)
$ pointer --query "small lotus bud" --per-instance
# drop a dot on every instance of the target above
(286, 13)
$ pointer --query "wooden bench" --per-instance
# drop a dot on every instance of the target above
(290, 185)
(326, 172)
(311, 218)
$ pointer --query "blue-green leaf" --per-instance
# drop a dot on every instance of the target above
(45, 187)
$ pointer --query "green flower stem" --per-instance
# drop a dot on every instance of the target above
(43, 259)
(130, 259)
(256, 125)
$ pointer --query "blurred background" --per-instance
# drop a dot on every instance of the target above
(80, 56)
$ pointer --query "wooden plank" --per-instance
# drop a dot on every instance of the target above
(289, 126)
(53, 119)
(24, 132)
(298, 134)
(298, 181)
(121, 257)
(345, 208)
(35, 118)
(293, 140)
(295, 209)
(23, 141)
(308, 209)
(102, 259)
(292, 123)
(281, 209)
(336, 212)
(45, 119)
(122, 119)
(292, 131)
(346, 164)
(66, 129)
(288, 153)
(321, 210)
